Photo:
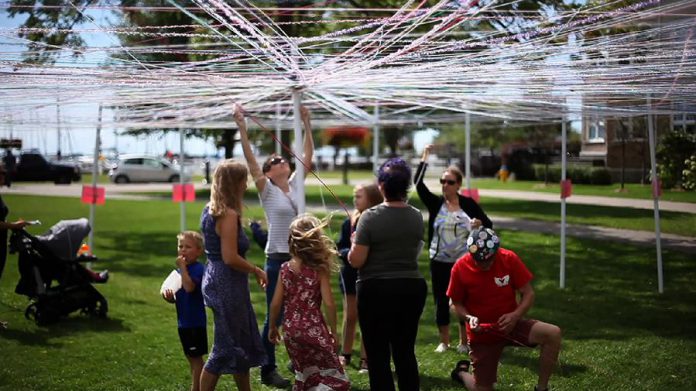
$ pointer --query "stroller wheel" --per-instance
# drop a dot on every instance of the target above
(30, 312)
(101, 308)
(98, 309)
(46, 316)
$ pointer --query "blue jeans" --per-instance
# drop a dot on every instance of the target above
(272, 269)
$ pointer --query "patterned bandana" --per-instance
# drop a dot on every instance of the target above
(482, 243)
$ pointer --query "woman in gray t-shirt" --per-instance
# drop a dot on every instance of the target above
(391, 290)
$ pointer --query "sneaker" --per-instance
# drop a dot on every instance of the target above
(441, 348)
(274, 379)
(462, 349)
(363, 366)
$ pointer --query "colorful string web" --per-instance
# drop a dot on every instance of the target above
(418, 63)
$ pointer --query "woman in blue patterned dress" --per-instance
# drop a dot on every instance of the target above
(237, 343)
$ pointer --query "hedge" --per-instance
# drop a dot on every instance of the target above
(577, 174)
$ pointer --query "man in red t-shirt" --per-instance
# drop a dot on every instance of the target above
(483, 287)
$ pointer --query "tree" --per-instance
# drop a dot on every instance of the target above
(674, 150)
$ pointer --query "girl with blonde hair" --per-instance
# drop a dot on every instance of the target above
(303, 285)
(237, 343)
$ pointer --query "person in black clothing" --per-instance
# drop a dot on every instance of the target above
(391, 291)
(10, 162)
(451, 217)
(4, 227)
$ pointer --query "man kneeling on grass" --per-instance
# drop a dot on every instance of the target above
(483, 287)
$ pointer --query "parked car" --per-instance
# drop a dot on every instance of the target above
(144, 168)
(32, 166)
(86, 163)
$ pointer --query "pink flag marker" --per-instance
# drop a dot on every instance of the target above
(93, 195)
(566, 188)
(183, 193)
(471, 193)
(657, 188)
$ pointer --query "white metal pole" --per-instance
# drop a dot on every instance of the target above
(58, 152)
(299, 168)
(375, 139)
(277, 130)
(563, 204)
(467, 153)
(656, 202)
(181, 180)
(95, 177)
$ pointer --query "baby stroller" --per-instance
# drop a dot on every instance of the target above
(52, 274)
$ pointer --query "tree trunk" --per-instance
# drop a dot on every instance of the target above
(228, 142)
(346, 159)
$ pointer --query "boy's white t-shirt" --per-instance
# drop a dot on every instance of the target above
(280, 209)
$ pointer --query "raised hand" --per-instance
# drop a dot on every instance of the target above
(304, 113)
(238, 114)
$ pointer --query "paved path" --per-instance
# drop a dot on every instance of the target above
(638, 238)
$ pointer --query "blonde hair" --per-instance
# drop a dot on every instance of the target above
(225, 191)
(374, 197)
(310, 245)
(192, 236)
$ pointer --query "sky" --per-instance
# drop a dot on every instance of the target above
(81, 140)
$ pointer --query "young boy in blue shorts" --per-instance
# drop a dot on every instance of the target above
(190, 310)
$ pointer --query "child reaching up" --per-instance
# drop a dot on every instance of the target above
(190, 310)
(304, 286)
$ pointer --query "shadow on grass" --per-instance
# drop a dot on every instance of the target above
(136, 249)
(516, 356)
(611, 290)
(74, 325)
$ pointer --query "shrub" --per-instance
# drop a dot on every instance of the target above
(577, 174)
(689, 173)
(675, 148)
(600, 176)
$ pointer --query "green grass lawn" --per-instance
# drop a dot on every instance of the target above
(619, 333)
(606, 216)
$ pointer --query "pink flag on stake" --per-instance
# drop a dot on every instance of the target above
(183, 193)
(657, 188)
(471, 193)
(566, 188)
(93, 195)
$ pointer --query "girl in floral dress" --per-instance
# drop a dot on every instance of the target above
(304, 286)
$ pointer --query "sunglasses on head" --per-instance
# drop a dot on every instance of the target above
(450, 182)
